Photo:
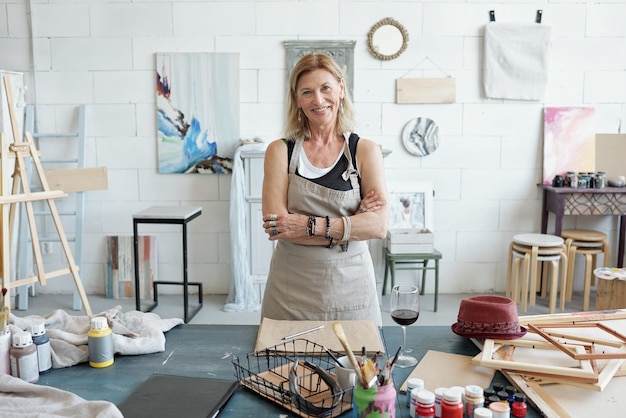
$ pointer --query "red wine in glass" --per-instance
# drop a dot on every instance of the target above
(405, 309)
(404, 316)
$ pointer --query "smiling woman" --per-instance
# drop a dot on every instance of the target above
(324, 197)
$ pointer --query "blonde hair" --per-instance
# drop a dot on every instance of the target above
(313, 61)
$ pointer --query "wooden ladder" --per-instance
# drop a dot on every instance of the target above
(20, 193)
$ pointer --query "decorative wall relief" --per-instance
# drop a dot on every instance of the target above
(568, 142)
(341, 51)
(197, 111)
(421, 136)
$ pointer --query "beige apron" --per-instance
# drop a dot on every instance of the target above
(315, 282)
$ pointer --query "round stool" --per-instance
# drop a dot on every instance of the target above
(589, 243)
(524, 252)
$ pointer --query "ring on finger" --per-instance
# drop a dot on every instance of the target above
(362, 208)
(272, 224)
(273, 217)
(274, 231)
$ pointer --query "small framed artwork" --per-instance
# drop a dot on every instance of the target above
(410, 206)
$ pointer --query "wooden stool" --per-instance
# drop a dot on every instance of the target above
(527, 251)
(412, 262)
(589, 243)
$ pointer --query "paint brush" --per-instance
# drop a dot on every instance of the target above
(341, 336)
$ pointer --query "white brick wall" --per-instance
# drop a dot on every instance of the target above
(485, 171)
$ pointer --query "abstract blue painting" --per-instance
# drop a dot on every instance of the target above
(197, 100)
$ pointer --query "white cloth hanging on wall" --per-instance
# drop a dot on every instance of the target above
(516, 60)
(242, 296)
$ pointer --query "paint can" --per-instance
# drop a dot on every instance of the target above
(42, 344)
(100, 342)
(24, 357)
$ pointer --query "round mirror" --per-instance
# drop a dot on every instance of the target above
(421, 136)
(387, 39)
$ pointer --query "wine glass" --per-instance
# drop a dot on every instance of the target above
(405, 309)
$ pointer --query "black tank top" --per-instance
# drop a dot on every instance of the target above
(333, 179)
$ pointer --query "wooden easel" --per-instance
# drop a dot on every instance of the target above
(20, 150)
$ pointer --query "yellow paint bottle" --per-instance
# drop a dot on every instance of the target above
(100, 342)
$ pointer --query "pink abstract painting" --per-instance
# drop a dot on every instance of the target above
(569, 141)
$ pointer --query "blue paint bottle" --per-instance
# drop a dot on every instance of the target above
(42, 343)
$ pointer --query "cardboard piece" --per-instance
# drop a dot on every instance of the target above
(359, 333)
(439, 369)
(610, 151)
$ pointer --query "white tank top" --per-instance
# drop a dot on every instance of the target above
(309, 171)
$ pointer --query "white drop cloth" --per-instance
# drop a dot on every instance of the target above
(20, 399)
(516, 60)
(134, 333)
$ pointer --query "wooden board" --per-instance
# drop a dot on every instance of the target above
(120, 273)
(78, 179)
(426, 90)
(439, 369)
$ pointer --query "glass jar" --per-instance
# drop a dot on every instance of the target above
(383, 398)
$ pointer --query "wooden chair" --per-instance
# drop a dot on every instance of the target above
(417, 262)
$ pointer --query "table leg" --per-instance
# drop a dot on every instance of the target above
(620, 243)
(185, 278)
(544, 213)
(136, 254)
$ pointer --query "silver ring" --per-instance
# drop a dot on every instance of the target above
(272, 224)
(274, 231)
(273, 217)
(362, 208)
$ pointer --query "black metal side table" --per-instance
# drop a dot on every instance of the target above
(167, 215)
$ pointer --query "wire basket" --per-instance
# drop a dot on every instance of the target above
(298, 375)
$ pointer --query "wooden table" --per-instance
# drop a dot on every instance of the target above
(561, 201)
(208, 351)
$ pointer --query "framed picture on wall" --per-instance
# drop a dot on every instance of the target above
(341, 51)
(410, 206)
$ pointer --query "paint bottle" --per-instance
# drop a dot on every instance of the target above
(500, 409)
(472, 399)
(510, 389)
(482, 413)
(452, 405)
(503, 395)
(5, 346)
(412, 383)
(42, 344)
(438, 400)
(425, 407)
(487, 393)
(100, 342)
(519, 409)
(23, 355)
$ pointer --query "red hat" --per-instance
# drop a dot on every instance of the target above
(488, 317)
